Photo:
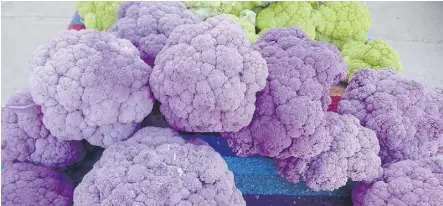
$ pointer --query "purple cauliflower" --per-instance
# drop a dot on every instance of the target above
(26, 139)
(148, 24)
(157, 167)
(90, 85)
(404, 183)
(26, 184)
(353, 153)
(289, 119)
(207, 76)
(406, 116)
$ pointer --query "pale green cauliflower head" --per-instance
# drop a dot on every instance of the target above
(247, 26)
(375, 54)
(98, 15)
(287, 14)
(204, 9)
(342, 22)
(235, 7)
(246, 18)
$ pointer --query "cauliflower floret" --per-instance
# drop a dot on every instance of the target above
(90, 85)
(26, 139)
(206, 77)
(157, 167)
(343, 21)
(404, 183)
(288, 14)
(407, 117)
(374, 54)
(289, 119)
(148, 24)
(99, 15)
(353, 154)
(26, 184)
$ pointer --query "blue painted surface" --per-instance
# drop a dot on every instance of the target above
(76, 19)
(259, 176)
(215, 141)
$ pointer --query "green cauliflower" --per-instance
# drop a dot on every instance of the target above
(342, 22)
(245, 18)
(314, 4)
(246, 24)
(236, 7)
(286, 14)
(204, 9)
(375, 54)
(98, 15)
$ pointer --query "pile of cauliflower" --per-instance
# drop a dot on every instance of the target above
(258, 73)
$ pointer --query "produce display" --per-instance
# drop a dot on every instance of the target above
(222, 103)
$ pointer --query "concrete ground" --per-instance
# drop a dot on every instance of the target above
(414, 29)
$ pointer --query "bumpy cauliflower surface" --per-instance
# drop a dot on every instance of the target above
(289, 14)
(157, 167)
(99, 15)
(90, 85)
(374, 54)
(26, 139)
(404, 183)
(406, 116)
(148, 24)
(353, 153)
(289, 118)
(26, 184)
(342, 22)
(206, 77)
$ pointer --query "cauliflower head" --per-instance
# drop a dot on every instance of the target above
(157, 167)
(353, 153)
(99, 15)
(26, 184)
(204, 9)
(246, 18)
(374, 54)
(404, 183)
(246, 25)
(148, 24)
(406, 116)
(206, 77)
(26, 139)
(289, 14)
(90, 85)
(289, 118)
(236, 7)
(343, 21)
